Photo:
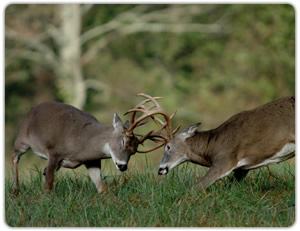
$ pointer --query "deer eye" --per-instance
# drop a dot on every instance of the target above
(123, 143)
(168, 147)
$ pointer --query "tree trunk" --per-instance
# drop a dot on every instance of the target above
(70, 82)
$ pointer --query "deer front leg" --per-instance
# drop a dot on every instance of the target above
(50, 171)
(94, 169)
(45, 169)
(214, 173)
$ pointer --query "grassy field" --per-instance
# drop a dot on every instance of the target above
(265, 198)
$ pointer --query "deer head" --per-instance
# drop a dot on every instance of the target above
(118, 145)
(176, 149)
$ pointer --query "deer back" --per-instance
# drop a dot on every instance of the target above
(259, 132)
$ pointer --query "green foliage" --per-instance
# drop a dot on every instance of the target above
(206, 77)
(143, 199)
(251, 62)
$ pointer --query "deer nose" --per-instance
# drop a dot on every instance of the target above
(163, 171)
(122, 167)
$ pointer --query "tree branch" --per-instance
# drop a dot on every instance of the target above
(113, 24)
(94, 50)
(136, 20)
(12, 54)
(99, 86)
(99, 30)
(175, 28)
(36, 44)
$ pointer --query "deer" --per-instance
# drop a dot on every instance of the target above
(68, 137)
(248, 140)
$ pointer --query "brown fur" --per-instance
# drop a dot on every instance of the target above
(253, 135)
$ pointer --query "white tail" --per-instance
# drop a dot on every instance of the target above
(248, 140)
(68, 137)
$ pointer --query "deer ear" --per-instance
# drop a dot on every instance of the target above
(190, 131)
(117, 122)
(126, 124)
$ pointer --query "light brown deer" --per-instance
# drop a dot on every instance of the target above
(248, 140)
(68, 137)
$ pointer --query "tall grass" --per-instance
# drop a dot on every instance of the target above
(265, 198)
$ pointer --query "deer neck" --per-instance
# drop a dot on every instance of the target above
(99, 135)
(200, 148)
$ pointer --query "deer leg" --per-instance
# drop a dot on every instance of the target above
(15, 158)
(94, 169)
(16, 174)
(45, 169)
(240, 174)
(50, 170)
(214, 173)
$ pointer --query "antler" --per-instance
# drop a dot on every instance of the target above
(151, 111)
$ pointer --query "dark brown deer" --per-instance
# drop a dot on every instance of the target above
(68, 137)
(248, 140)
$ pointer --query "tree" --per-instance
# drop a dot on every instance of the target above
(57, 40)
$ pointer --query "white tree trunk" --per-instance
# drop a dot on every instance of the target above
(71, 83)
(72, 87)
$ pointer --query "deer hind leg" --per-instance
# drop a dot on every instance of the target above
(19, 150)
(50, 171)
(215, 173)
(240, 173)
(94, 169)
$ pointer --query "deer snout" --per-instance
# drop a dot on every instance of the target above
(122, 167)
(163, 171)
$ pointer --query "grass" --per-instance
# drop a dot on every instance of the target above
(265, 198)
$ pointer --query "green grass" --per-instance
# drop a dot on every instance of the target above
(265, 198)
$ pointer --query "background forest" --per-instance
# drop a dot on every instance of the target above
(207, 61)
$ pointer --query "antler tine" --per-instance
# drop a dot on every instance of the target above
(151, 111)
(142, 123)
(157, 120)
(134, 124)
(153, 137)
(134, 111)
(150, 98)
(176, 129)
(151, 149)
(141, 108)
(132, 117)
(173, 114)
(145, 137)
(169, 125)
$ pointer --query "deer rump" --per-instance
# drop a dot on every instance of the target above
(253, 137)
(58, 128)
